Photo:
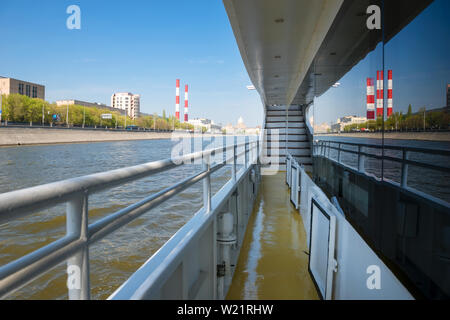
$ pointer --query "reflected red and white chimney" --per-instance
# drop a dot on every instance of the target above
(380, 93)
(186, 104)
(177, 100)
(370, 100)
(389, 102)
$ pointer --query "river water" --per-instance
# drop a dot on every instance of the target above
(116, 257)
(430, 181)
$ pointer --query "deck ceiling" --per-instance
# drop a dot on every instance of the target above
(296, 49)
(278, 40)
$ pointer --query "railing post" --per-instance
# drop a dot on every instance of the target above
(233, 168)
(404, 181)
(207, 182)
(78, 265)
(339, 153)
(246, 151)
(329, 149)
(193, 146)
(224, 148)
(257, 150)
(361, 160)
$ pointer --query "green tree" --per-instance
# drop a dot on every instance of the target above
(409, 111)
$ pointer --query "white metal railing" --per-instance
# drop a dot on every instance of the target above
(322, 148)
(339, 259)
(293, 178)
(75, 192)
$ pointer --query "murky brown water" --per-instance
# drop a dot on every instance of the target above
(116, 257)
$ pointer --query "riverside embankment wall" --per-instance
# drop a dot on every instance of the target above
(30, 136)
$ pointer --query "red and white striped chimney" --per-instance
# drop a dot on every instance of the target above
(186, 103)
(389, 102)
(177, 100)
(370, 100)
(380, 93)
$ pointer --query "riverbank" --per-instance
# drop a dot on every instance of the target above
(32, 136)
(423, 136)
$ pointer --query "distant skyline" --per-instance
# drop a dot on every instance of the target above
(144, 46)
(131, 46)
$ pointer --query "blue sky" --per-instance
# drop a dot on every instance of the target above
(143, 46)
(135, 46)
(419, 57)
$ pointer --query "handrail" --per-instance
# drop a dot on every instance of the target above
(79, 235)
(391, 147)
(22, 202)
(322, 149)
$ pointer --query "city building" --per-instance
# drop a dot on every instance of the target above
(322, 128)
(241, 128)
(208, 125)
(240, 124)
(87, 104)
(127, 101)
(345, 121)
(30, 89)
(229, 129)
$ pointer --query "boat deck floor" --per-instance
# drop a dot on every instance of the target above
(273, 263)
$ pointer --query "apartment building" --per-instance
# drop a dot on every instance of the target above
(127, 101)
(345, 121)
(30, 89)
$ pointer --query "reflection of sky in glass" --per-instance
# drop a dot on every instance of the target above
(419, 58)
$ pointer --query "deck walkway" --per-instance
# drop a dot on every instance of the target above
(273, 263)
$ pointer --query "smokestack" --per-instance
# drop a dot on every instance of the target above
(186, 103)
(370, 100)
(177, 100)
(389, 108)
(380, 93)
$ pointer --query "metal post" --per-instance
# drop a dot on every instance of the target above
(207, 183)
(329, 148)
(339, 153)
(233, 170)
(246, 151)
(78, 265)
(202, 145)
(224, 148)
(43, 119)
(361, 160)
(257, 150)
(404, 181)
(67, 116)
